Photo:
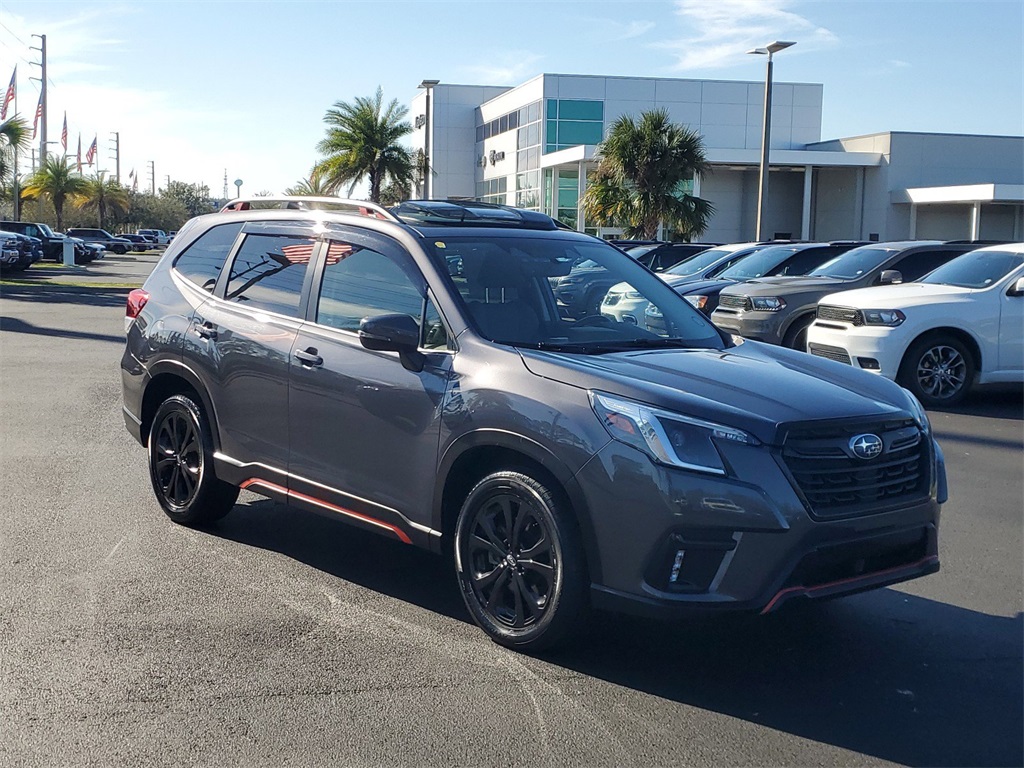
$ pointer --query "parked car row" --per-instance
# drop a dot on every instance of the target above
(18, 252)
(89, 243)
(870, 305)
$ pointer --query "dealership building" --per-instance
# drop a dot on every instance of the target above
(532, 146)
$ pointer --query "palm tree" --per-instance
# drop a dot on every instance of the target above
(639, 181)
(314, 186)
(54, 181)
(362, 142)
(102, 195)
(13, 136)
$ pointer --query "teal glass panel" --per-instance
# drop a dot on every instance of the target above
(572, 109)
(568, 198)
(552, 132)
(552, 109)
(572, 132)
(568, 180)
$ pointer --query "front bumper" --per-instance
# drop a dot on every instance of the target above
(870, 348)
(750, 324)
(670, 541)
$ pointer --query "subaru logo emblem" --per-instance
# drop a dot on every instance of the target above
(866, 446)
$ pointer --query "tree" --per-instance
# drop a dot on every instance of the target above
(101, 195)
(362, 143)
(314, 186)
(195, 197)
(13, 136)
(54, 181)
(639, 181)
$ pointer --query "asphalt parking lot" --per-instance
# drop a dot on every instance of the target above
(283, 638)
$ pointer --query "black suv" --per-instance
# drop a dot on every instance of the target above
(101, 237)
(409, 372)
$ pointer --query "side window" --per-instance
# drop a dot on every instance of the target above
(359, 282)
(804, 261)
(726, 264)
(917, 265)
(268, 271)
(202, 261)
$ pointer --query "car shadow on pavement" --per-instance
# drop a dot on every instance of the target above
(886, 673)
(14, 325)
(53, 293)
(993, 401)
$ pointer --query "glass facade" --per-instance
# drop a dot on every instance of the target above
(527, 122)
(571, 122)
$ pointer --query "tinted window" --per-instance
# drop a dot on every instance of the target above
(977, 269)
(805, 260)
(703, 260)
(268, 271)
(359, 282)
(761, 263)
(917, 265)
(435, 335)
(202, 261)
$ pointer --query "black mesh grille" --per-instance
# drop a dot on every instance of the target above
(836, 483)
(842, 314)
(838, 354)
(736, 302)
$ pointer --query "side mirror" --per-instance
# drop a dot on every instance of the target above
(890, 277)
(393, 333)
(1017, 289)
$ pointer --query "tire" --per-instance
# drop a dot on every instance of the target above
(796, 336)
(524, 603)
(181, 465)
(939, 370)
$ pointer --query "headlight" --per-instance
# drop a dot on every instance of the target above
(653, 310)
(767, 303)
(668, 438)
(889, 317)
(697, 300)
(918, 411)
(634, 295)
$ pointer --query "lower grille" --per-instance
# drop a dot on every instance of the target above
(836, 483)
(838, 354)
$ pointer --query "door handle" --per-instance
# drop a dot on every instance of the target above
(206, 329)
(308, 356)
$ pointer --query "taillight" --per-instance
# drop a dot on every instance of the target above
(136, 301)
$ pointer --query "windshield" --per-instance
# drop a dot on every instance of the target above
(637, 251)
(45, 230)
(547, 292)
(854, 263)
(701, 261)
(760, 263)
(976, 269)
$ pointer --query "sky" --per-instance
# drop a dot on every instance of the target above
(240, 87)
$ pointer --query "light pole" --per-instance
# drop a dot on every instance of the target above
(428, 86)
(762, 193)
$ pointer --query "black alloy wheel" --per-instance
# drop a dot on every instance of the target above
(181, 465)
(939, 371)
(520, 563)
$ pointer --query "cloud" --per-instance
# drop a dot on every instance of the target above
(508, 68)
(900, 63)
(722, 31)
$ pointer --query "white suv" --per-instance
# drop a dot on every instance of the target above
(959, 325)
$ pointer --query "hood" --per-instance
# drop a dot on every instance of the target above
(898, 296)
(755, 387)
(701, 286)
(787, 286)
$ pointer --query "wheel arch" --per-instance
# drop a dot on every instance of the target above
(795, 319)
(169, 378)
(479, 453)
(948, 330)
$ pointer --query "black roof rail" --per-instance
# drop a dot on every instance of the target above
(473, 213)
(976, 242)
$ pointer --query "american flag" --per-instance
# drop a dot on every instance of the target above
(91, 154)
(302, 253)
(79, 153)
(39, 114)
(11, 92)
(64, 134)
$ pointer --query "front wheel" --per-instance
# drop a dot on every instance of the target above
(181, 465)
(520, 562)
(938, 370)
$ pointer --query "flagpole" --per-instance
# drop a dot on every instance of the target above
(17, 187)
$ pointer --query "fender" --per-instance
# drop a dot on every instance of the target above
(532, 449)
(183, 371)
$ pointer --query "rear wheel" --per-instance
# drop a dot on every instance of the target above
(520, 562)
(181, 465)
(938, 369)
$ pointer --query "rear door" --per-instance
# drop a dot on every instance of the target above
(246, 333)
(364, 429)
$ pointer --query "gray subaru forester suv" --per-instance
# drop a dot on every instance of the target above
(409, 372)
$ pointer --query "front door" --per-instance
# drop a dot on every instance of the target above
(364, 429)
(1011, 323)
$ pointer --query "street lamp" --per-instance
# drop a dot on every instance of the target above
(762, 193)
(428, 86)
